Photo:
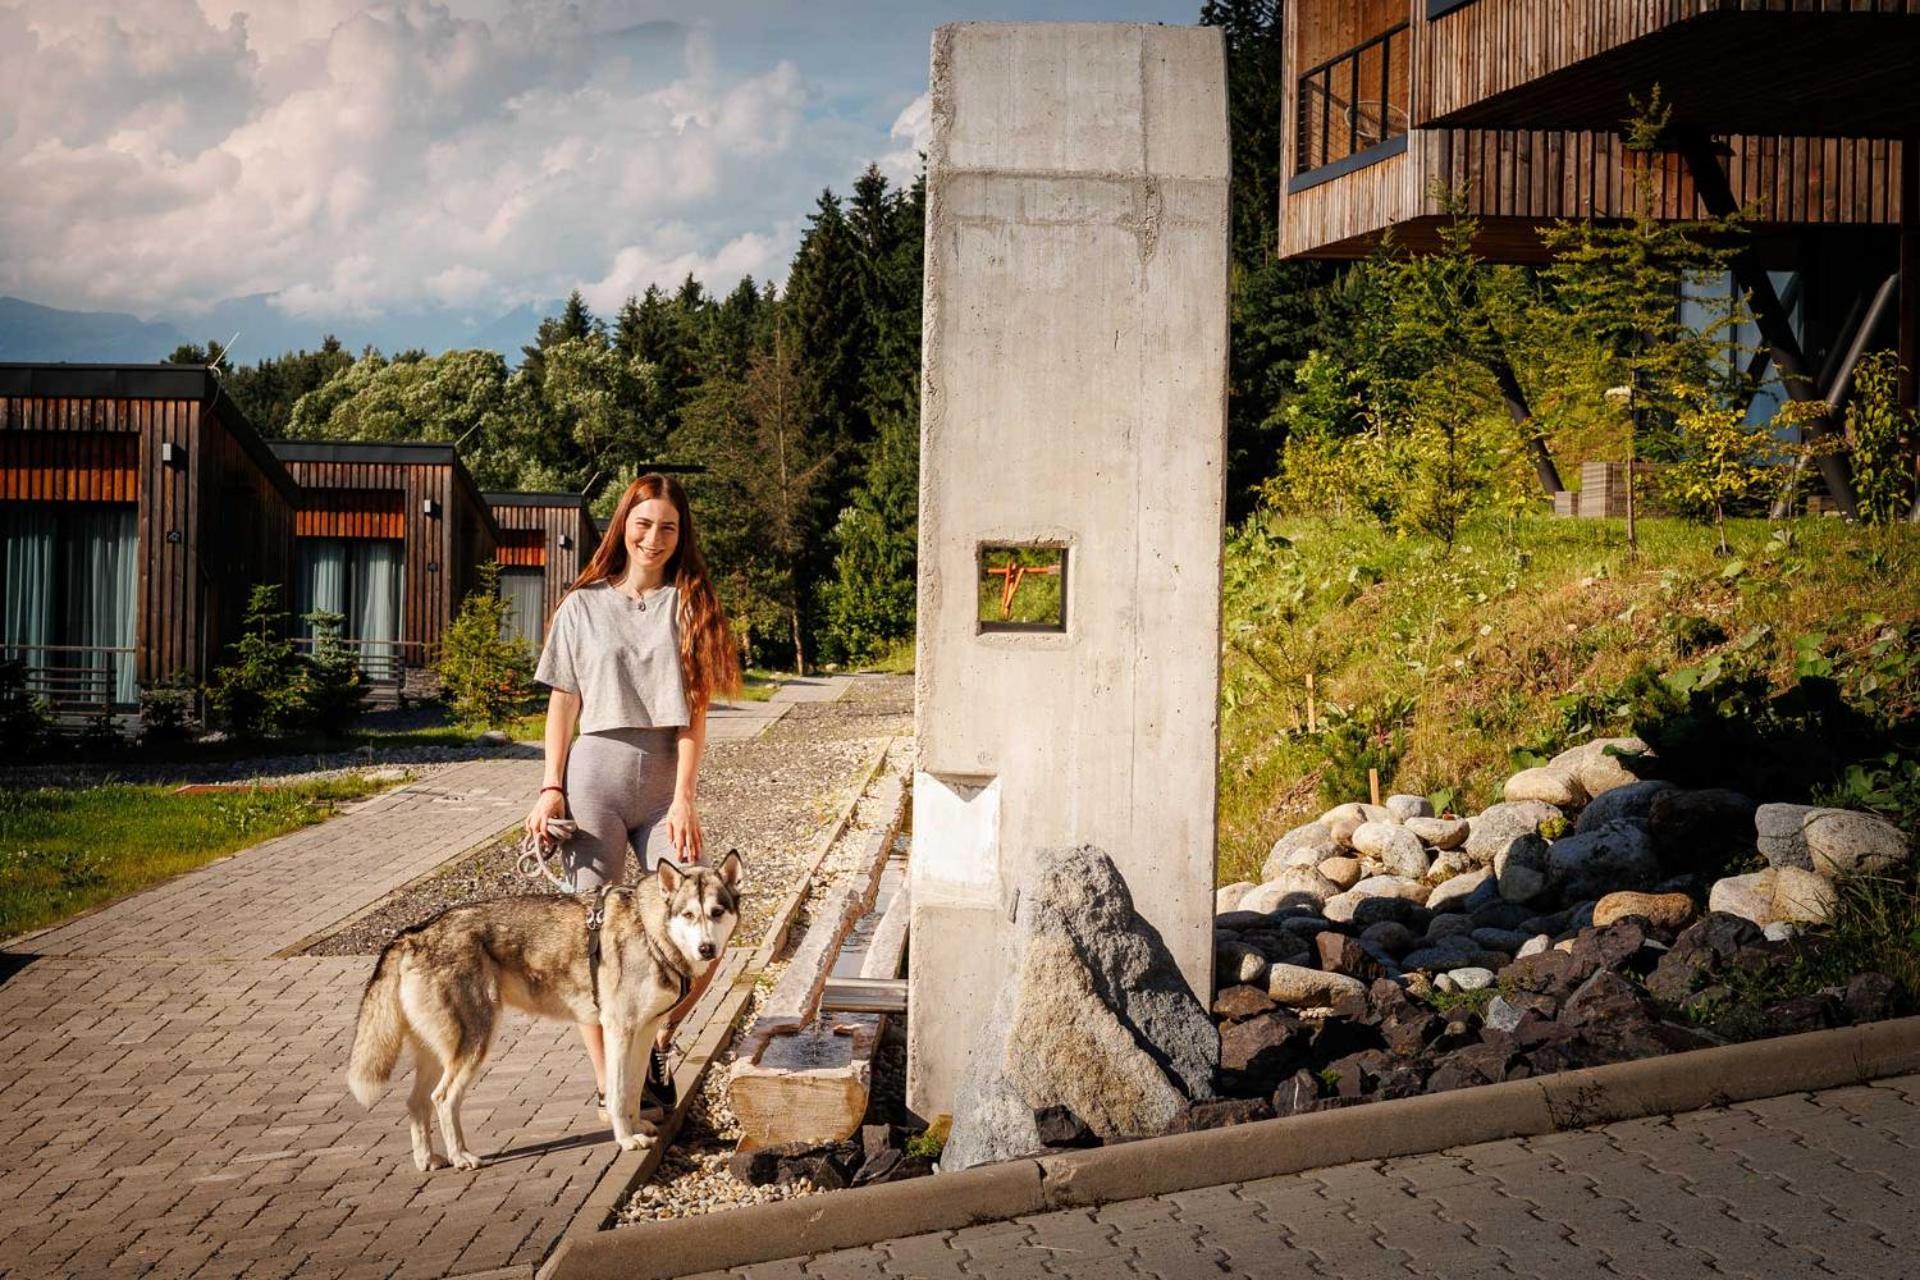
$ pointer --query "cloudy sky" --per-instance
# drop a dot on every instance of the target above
(425, 168)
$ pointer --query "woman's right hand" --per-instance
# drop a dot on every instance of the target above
(550, 804)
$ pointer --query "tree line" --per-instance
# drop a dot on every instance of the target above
(801, 404)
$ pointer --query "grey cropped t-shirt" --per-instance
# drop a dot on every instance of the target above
(621, 655)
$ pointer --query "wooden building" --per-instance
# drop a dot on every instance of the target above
(391, 536)
(137, 508)
(545, 541)
(1804, 114)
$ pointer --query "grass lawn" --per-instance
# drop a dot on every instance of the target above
(1517, 642)
(63, 850)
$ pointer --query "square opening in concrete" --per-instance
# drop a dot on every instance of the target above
(1022, 587)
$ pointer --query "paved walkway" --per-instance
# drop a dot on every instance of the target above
(1824, 1184)
(172, 1097)
(733, 721)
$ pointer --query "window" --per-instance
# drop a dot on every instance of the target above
(69, 577)
(360, 579)
(1023, 588)
(525, 590)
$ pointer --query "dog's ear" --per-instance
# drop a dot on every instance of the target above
(670, 874)
(733, 870)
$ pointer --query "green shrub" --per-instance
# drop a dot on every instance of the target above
(166, 710)
(23, 717)
(267, 690)
(487, 674)
(1370, 737)
(337, 694)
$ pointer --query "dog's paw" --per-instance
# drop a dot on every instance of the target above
(465, 1160)
(427, 1164)
(637, 1142)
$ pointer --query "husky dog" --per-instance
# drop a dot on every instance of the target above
(439, 987)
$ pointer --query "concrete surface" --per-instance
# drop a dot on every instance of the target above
(1820, 1184)
(1074, 374)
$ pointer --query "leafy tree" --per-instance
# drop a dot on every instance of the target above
(486, 671)
(1885, 436)
(1720, 463)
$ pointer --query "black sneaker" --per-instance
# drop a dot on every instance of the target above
(659, 1090)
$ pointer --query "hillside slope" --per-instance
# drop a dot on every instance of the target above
(1448, 671)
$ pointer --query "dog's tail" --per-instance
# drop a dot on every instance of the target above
(382, 1028)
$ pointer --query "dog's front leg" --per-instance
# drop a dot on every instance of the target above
(625, 1071)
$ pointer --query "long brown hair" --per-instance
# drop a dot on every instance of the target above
(709, 664)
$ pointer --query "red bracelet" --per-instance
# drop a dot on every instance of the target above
(561, 790)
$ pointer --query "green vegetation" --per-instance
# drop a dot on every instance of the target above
(486, 673)
(63, 850)
(1459, 668)
(267, 688)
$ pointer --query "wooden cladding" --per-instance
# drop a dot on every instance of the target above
(1820, 68)
(351, 513)
(523, 548)
(526, 517)
(45, 466)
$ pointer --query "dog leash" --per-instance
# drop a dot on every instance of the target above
(534, 848)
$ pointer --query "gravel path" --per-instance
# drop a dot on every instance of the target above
(769, 797)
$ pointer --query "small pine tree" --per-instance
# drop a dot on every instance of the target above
(266, 690)
(338, 692)
(24, 722)
(486, 672)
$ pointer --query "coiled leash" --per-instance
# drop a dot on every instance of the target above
(534, 850)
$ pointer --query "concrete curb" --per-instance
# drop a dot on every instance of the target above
(630, 1168)
(1271, 1148)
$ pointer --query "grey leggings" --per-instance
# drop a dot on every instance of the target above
(619, 787)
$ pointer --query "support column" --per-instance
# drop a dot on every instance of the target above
(1769, 316)
(1074, 402)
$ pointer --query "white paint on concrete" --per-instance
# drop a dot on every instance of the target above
(1073, 393)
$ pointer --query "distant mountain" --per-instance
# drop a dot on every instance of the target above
(29, 331)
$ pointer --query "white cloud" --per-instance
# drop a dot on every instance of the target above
(357, 159)
(913, 128)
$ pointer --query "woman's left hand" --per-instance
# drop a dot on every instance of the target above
(683, 831)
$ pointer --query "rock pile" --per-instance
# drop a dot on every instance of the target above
(1368, 891)
(877, 1158)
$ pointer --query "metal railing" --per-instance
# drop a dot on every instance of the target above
(72, 679)
(380, 661)
(1352, 101)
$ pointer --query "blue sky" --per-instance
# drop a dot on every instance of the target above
(412, 172)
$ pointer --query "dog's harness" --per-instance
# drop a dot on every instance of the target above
(596, 917)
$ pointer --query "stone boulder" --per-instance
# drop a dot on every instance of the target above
(1830, 841)
(1302, 846)
(1453, 893)
(1300, 887)
(1632, 803)
(1441, 833)
(1343, 871)
(1776, 894)
(1697, 831)
(1520, 869)
(1396, 850)
(1668, 913)
(1498, 827)
(1301, 987)
(1094, 1017)
(1547, 786)
(1599, 770)
(1227, 896)
(1405, 807)
(1616, 856)
(1236, 962)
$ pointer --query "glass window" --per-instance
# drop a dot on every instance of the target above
(69, 578)
(525, 591)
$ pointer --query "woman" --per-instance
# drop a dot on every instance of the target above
(635, 652)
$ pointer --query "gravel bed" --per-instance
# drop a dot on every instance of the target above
(769, 797)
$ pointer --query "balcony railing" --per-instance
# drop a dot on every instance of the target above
(1352, 101)
(73, 679)
(379, 660)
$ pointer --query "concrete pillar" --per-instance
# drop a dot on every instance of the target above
(1073, 396)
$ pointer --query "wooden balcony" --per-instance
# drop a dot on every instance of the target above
(1785, 68)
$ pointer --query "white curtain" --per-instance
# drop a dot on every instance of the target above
(525, 591)
(26, 594)
(320, 584)
(102, 576)
(374, 615)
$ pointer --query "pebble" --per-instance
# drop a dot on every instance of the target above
(1471, 979)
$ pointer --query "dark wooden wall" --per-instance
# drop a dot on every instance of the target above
(230, 519)
(442, 551)
(546, 524)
